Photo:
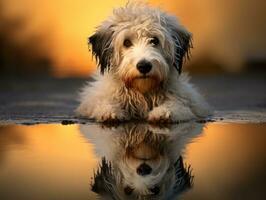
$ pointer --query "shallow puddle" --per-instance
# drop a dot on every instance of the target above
(133, 161)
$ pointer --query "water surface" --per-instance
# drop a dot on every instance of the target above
(186, 161)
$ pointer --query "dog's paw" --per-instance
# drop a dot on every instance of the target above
(110, 117)
(109, 114)
(160, 114)
(102, 112)
(83, 111)
(163, 114)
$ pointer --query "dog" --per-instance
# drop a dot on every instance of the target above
(140, 51)
(141, 161)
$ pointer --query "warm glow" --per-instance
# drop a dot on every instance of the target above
(218, 28)
(47, 157)
(225, 156)
(69, 23)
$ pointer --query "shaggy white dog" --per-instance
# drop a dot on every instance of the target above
(140, 52)
(141, 161)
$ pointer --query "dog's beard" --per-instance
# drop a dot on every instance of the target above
(143, 84)
(144, 152)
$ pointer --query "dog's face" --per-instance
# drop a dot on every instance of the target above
(143, 61)
(140, 46)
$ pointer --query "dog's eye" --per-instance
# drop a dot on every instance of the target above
(128, 190)
(155, 190)
(154, 41)
(127, 43)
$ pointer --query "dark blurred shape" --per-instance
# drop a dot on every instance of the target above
(21, 56)
(255, 65)
(205, 65)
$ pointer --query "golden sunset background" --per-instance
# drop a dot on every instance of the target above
(50, 37)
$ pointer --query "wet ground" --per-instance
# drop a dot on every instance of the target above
(239, 98)
(190, 161)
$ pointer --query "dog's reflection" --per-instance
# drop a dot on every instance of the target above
(141, 161)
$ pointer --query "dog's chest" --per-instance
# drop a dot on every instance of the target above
(137, 104)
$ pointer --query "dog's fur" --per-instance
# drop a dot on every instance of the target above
(124, 148)
(132, 34)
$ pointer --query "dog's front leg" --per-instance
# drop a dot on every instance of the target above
(103, 111)
(109, 112)
(171, 111)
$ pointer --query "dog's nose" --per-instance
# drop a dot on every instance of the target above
(144, 169)
(144, 66)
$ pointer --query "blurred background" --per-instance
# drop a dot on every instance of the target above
(49, 38)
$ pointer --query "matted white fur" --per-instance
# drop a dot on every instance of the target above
(133, 35)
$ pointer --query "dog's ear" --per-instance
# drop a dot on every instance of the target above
(102, 49)
(183, 43)
(103, 180)
(183, 175)
(182, 40)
